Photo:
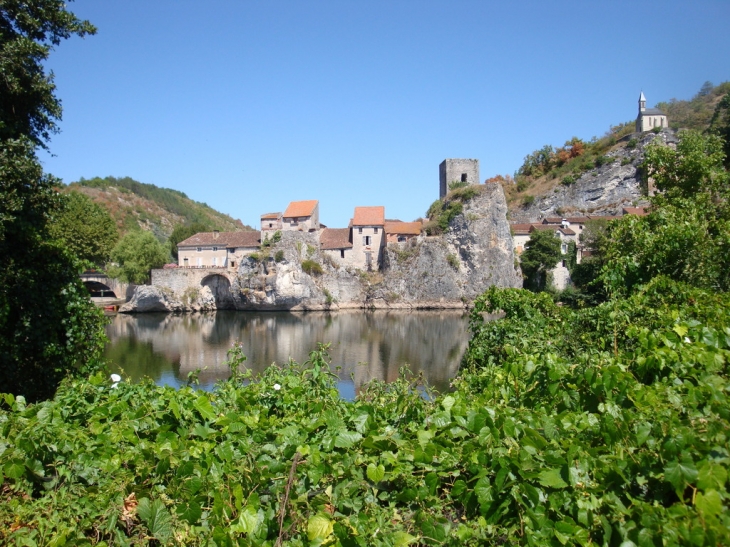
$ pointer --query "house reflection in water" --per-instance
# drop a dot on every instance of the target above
(364, 345)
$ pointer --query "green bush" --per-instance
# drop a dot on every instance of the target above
(453, 261)
(631, 144)
(602, 160)
(311, 267)
(528, 200)
(568, 180)
(279, 256)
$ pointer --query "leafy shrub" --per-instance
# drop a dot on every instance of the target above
(631, 144)
(522, 184)
(311, 267)
(568, 180)
(602, 160)
(453, 261)
(528, 200)
(279, 256)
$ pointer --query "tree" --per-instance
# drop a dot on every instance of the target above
(136, 254)
(182, 232)
(720, 125)
(687, 234)
(541, 254)
(48, 326)
(86, 229)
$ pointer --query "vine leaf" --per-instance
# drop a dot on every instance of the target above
(155, 516)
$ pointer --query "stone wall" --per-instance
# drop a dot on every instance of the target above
(451, 170)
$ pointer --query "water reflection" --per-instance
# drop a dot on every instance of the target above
(366, 345)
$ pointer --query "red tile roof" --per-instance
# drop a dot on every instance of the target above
(270, 215)
(520, 229)
(222, 239)
(369, 216)
(301, 209)
(335, 238)
(405, 228)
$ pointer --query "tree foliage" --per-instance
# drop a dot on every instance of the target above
(85, 228)
(135, 255)
(541, 254)
(48, 326)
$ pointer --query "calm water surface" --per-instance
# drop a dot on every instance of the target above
(366, 345)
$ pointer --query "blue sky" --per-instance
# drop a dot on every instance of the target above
(247, 105)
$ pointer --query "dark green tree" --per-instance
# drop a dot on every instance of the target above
(182, 232)
(135, 255)
(541, 254)
(87, 229)
(48, 326)
(720, 125)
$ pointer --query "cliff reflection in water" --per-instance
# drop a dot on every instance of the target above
(366, 345)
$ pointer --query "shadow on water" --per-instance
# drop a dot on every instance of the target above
(365, 345)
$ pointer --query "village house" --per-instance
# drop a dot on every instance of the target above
(217, 249)
(271, 222)
(397, 231)
(336, 243)
(301, 216)
(368, 237)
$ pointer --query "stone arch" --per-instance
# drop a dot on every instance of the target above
(97, 289)
(220, 287)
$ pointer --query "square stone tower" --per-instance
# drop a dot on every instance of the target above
(457, 170)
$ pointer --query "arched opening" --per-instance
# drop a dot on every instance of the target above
(220, 288)
(99, 290)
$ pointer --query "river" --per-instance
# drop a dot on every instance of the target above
(365, 345)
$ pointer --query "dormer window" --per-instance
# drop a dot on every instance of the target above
(200, 249)
(215, 248)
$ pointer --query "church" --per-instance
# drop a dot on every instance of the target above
(649, 118)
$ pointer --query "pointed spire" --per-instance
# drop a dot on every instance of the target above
(642, 102)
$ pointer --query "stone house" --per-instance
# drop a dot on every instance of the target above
(368, 237)
(301, 216)
(397, 231)
(649, 118)
(217, 249)
(271, 222)
(336, 243)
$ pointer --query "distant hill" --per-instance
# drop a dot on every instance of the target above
(136, 205)
(697, 112)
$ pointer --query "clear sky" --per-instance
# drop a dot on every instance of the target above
(246, 105)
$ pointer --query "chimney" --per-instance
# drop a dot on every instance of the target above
(216, 233)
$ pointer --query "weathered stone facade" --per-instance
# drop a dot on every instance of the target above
(457, 170)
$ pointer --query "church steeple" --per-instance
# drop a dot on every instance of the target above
(642, 102)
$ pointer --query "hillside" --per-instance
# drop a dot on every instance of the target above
(602, 175)
(135, 205)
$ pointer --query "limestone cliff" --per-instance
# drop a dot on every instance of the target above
(604, 190)
(445, 271)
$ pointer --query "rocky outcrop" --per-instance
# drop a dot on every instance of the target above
(445, 271)
(605, 190)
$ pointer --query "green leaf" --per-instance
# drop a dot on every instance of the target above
(711, 477)
(203, 406)
(190, 511)
(709, 504)
(551, 478)
(15, 469)
(681, 473)
(375, 472)
(401, 539)
(448, 403)
(156, 517)
(319, 527)
(346, 439)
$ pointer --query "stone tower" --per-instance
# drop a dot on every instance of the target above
(457, 170)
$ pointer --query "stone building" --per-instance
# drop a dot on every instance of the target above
(457, 170)
(368, 237)
(336, 243)
(397, 231)
(649, 118)
(217, 249)
(301, 216)
(271, 222)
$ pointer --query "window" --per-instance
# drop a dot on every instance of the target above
(215, 248)
(376, 229)
(342, 253)
(185, 262)
(200, 249)
(463, 177)
(359, 230)
(271, 224)
(366, 240)
(564, 248)
(401, 239)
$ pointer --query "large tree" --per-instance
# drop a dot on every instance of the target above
(182, 232)
(86, 228)
(48, 326)
(135, 255)
(541, 254)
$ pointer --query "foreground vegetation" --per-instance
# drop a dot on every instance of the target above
(602, 426)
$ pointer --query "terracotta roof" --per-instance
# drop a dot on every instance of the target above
(222, 239)
(369, 216)
(543, 227)
(300, 208)
(520, 229)
(552, 220)
(335, 238)
(577, 220)
(640, 211)
(271, 215)
(406, 228)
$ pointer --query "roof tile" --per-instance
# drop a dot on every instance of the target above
(301, 208)
(369, 216)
